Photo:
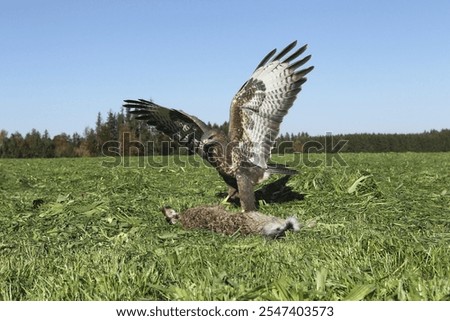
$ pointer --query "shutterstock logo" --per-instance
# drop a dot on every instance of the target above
(313, 153)
(331, 150)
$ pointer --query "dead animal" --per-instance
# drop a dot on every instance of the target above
(219, 220)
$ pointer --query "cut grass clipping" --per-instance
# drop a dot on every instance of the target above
(72, 229)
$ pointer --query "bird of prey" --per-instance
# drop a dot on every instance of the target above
(256, 112)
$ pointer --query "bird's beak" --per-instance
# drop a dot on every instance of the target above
(207, 142)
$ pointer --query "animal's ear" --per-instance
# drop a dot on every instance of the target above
(170, 215)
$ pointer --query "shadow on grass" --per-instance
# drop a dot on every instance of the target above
(275, 192)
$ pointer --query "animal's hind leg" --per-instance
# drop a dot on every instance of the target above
(170, 215)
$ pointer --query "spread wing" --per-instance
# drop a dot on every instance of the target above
(258, 108)
(179, 126)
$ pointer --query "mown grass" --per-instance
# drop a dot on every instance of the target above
(72, 229)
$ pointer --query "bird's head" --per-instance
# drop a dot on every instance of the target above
(213, 143)
(212, 137)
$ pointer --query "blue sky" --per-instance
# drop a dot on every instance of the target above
(380, 66)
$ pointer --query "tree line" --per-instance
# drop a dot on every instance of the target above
(121, 134)
(428, 141)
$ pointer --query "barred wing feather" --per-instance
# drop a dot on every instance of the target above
(176, 124)
(258, 108)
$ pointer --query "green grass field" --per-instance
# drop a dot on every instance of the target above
(72, 229)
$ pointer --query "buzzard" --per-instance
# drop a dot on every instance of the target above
(257, 110)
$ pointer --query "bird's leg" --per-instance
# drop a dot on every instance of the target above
(246, 193)
(232, 193)
(231, 196)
